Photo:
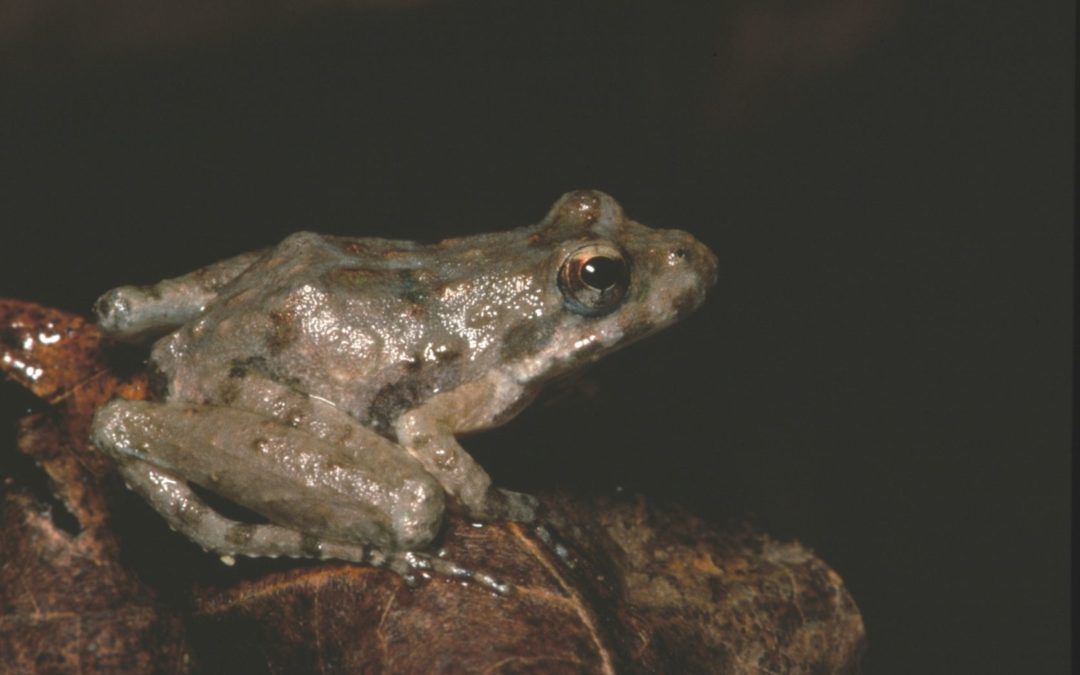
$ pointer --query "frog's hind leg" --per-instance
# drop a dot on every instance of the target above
(192, 517)
(365, 495)
(189, 515)
(339, 492)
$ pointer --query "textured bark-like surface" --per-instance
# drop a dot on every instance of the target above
(91, 581)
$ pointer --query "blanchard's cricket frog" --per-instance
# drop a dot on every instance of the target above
(321, 383)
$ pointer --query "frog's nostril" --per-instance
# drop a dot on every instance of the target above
(697, 257)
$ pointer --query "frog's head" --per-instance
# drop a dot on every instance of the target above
(614, 281)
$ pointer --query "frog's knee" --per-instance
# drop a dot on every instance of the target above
(107, 425)
(418, 513)
(110, 428)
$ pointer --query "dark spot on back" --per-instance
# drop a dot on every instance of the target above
(258, 365)
(229, 390)
(240, 368)
(393, 399)
(283, 331)
(411, 288)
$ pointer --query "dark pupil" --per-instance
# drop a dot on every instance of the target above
(601, 273)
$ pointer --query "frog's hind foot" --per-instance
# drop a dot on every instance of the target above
(413, 565)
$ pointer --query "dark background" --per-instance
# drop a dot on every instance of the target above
(883, 371)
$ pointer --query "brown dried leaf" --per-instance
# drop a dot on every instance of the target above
(67, 604)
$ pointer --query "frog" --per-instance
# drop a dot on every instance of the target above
(322, 384)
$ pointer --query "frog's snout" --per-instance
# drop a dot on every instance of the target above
(696, 256)
(691, 270)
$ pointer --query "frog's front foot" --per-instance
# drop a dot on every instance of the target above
(411, 565)
(519, 506)
(499, 504)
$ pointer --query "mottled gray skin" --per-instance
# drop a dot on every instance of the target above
(321, 383)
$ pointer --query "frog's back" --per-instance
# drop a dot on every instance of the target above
(349, 320)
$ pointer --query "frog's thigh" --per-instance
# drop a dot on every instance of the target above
(417, 509)
(250, 389)
(186, 513)
(354, 494)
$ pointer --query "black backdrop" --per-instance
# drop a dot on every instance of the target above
(883, 371)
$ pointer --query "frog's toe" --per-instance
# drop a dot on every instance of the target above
(412, 565)
(520, 506)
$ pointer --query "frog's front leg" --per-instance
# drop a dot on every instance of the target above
(428, 434)
(132, 313)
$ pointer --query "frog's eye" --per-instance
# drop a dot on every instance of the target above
(594, 279)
